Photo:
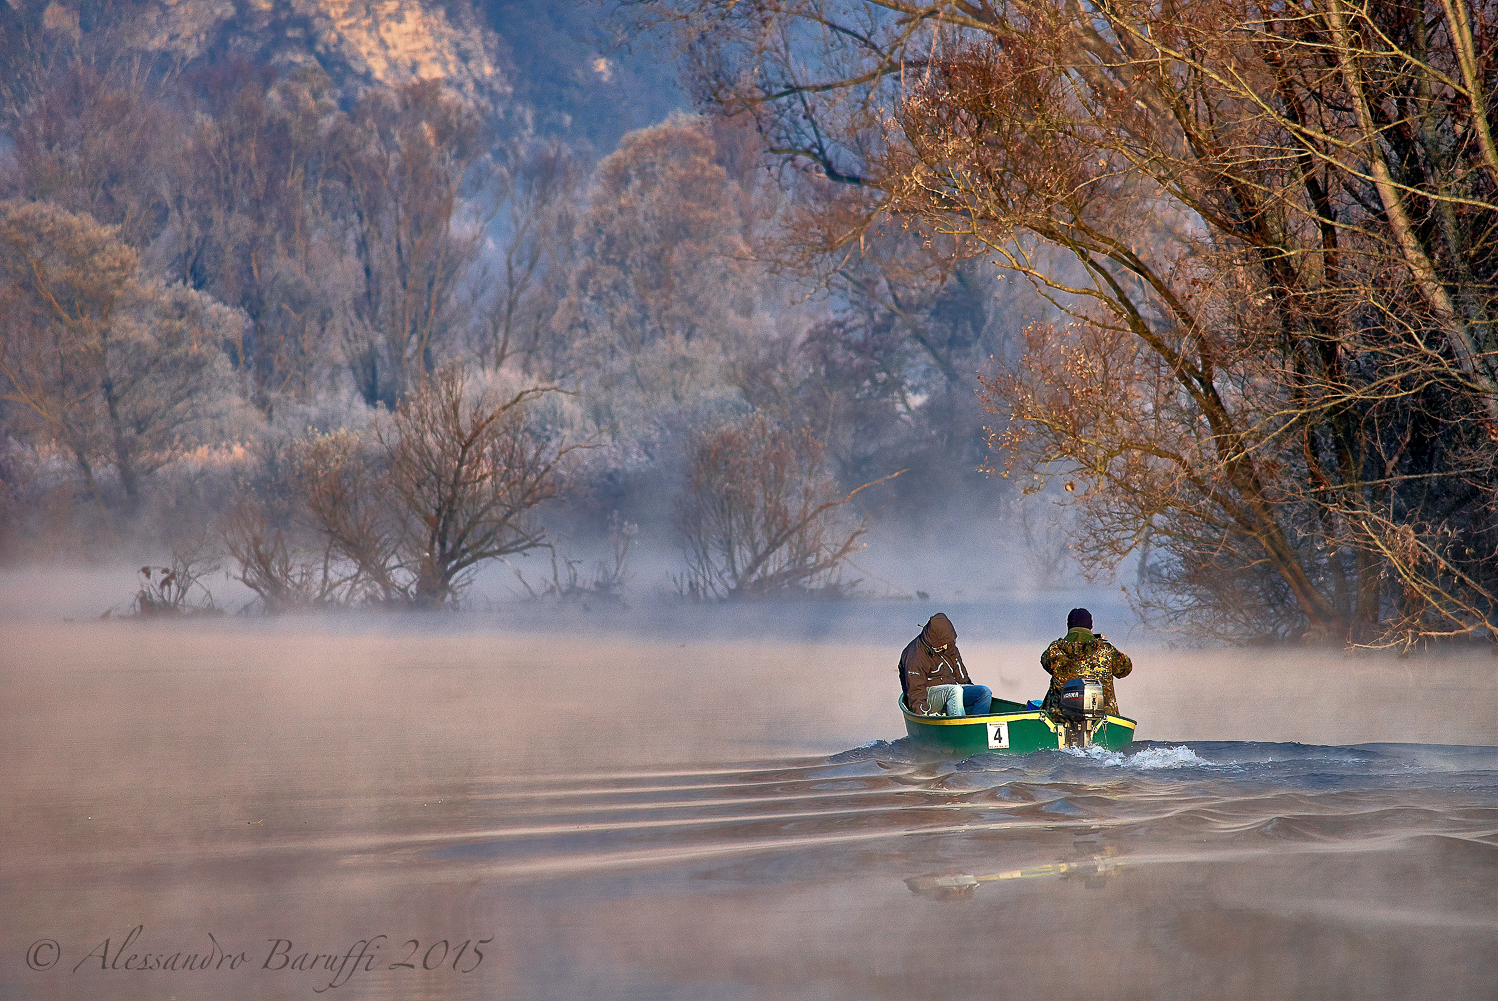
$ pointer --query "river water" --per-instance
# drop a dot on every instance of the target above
(538, 805)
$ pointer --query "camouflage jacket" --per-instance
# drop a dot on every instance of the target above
(1080, 654)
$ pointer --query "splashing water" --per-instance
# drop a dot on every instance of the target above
(1148, 759)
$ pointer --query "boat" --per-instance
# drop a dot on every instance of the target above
(1015, 728)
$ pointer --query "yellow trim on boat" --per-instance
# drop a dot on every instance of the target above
(965, 720)
(962, 720)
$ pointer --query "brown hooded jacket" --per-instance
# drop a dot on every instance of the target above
(931, 658)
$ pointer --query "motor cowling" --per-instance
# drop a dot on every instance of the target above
(1081, 698)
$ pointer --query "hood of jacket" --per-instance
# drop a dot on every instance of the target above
(939, 631)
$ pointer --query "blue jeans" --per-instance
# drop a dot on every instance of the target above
(960, 700)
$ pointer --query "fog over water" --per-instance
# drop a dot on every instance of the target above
(669, 802)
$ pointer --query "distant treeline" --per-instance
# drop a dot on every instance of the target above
(355, 347)
(1210, 289)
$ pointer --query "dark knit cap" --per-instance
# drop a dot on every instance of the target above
(1079, 617)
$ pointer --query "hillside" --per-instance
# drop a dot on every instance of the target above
(541, 69)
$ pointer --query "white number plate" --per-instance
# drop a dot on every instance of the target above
(998, 734)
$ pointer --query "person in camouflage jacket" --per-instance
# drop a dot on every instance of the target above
(1080, 654)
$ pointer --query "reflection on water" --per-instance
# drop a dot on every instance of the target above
(1090, 866)
(240, 813)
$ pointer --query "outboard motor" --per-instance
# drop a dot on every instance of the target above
(1080, 711)
(1081, 699)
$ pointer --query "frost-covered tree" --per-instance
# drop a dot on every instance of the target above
(665, 287)
(115, 365)
(402, 162)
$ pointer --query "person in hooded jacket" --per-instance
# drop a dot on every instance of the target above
(935, 679)
(1081, 654)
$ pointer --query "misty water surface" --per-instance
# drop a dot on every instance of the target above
(542, 804)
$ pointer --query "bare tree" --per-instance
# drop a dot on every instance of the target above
(450, 480)
(98, 140)
(286, 576)
(1283, 364)
(521, 289)
(343, 483)
(402, 163)
(249, 221)
(468, 473)
(760, 514)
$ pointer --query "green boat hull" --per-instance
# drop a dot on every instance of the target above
(1010, 728)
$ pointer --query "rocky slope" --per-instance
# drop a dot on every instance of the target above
(358, 43)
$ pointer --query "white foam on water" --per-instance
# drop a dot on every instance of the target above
(1145, 760)
(1101, 755)
(1166, 757)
